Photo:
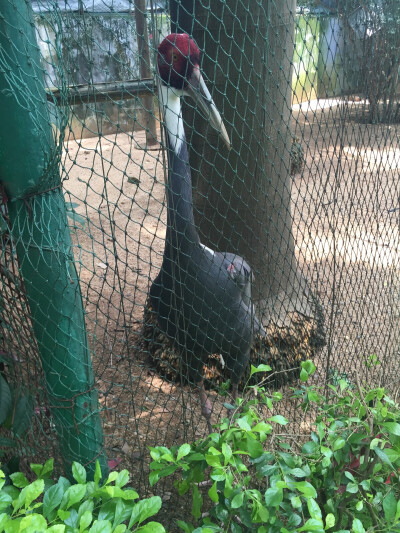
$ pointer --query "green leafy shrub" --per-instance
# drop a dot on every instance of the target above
(83, 507)
(248, 476)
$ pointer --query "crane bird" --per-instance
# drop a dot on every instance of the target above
(201, 298)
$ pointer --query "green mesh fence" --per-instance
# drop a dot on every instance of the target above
(308, 195)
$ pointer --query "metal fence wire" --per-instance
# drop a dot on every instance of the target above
(98, 212)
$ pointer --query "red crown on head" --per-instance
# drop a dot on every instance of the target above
(178, 54)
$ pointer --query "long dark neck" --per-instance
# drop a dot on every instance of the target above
(181, 230)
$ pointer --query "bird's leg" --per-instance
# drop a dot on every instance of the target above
(235, 393)
(205, 404)
(234, 396)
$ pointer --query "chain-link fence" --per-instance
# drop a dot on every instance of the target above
(308, 194)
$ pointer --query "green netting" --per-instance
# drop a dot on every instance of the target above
(308, 195)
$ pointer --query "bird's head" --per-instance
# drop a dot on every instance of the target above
(178, 64)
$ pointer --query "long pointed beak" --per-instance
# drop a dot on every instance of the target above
(197, 89)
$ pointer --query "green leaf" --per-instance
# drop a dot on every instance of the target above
(314, 509)
(262, 427)
(303, 375)
(329, 521)
(357, 526)
(183, 451)
(86, 505)
(273, 496)
(213, 460)
(261, 513)
(23, 415)
(78, 472)
(122, 478)
(71, 205)
(383, 457)
(187, 528)
(52, 499)
(73, 215)
(259, 368)
(5, 500)
(312, 524)
(75, 494)
(63, 515)
(101, 526)
(143, 509)
(360, 505)
(151, 527)
(57, 528)
(366, 484)
(121, 528)
(309, 366)
(85, 520)
(297, 472)
(309, 448)
(296, 502)
(306, 489)
(389, 504)
(213, 493)
(226, 452)
(112, 476)
(352, 488)
(19, 480)
(237, 500)
(339, 444)
(254, 447)
(397, 516)
(279, 419)
(294, 520)
(72, 520)
(33, 522)
(288, 459)
(392, 427)
(153, 478)
(29, 494)
(107, 510)
(97, 473)
(43, 471)
(122, 512)
(197, 502)
(5, 399)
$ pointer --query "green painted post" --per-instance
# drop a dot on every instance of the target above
(29, 175)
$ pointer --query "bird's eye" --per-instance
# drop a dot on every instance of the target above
(174, 57)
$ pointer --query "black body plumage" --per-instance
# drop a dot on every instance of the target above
(202, 298)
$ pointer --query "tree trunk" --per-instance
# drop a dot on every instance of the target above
(242, 198)
(145, 69)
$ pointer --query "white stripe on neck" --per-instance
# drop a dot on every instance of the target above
(171, 102)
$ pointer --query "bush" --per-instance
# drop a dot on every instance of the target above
(83, 507)
(246, 476)
(343, 478)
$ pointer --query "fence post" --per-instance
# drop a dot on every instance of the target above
(29, 175)
(145, 69)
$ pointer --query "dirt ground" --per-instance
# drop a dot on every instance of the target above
(346, 228)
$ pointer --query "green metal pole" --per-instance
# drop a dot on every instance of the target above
(29, 174)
